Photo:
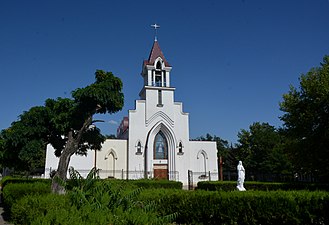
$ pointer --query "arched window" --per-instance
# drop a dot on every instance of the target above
(158, 66)
(139, 148)
(110, 158)
(160, 146)
(180, 149)
(204, 157)
(158, 75)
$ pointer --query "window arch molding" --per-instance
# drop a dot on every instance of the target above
(203, 153)
(111, 152)
(167, 130)
(158, 64)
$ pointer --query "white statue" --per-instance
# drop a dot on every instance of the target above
(160, 149)
(241, 176)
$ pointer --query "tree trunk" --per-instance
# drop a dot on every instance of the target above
(64, 160)
(63, 164)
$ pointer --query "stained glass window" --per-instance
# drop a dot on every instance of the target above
(160, 147)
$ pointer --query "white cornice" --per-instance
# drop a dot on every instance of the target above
(160, 88)
(156, 88)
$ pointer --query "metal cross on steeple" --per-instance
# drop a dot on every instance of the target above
(155, 26)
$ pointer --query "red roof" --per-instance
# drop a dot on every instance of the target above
(154, 54)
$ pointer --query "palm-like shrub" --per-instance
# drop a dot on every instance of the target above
(89, 200)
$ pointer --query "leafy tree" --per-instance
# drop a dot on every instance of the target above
(2, 147)
(23, 144)
(66, 124)
(222, 145)
(223, 150)
(262, 152)
(306, 121)
(110, 136)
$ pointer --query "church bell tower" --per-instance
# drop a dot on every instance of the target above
(156, 71)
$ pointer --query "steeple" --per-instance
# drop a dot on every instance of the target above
(156, 70)
(156, 53)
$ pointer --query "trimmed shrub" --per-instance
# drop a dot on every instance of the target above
(260, 186)
(251, 207)
(106, 203)
(14, 180)
(152, 184)
(15, 191)
(33, 207)
(58, 209)
(145, 184)
(101, 204)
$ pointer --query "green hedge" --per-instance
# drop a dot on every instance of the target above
(102, 204)
(14, 180)
(143, 183)
(250, 207)
(193, 207)
(146, 184)
(58, 209)
(34, 207)
(112, 201)
(15, 191)
(260, 186)
(150, 184)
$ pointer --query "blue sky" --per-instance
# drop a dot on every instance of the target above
(232, 59)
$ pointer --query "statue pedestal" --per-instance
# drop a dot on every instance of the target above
(240, 188)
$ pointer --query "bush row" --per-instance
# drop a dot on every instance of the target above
(58, 209)
(250, 207)
(12, 192)
(29, 201)
(120, 202)
(100, 203)
(260, 186)
(14, 180)
(142, 183)
(197, 207)
(153, 184)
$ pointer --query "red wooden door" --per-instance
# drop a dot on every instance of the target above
(160, 171)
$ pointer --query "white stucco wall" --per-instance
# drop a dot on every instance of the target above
(137, 132)
(203, 158)
(199, 149)
(104, 160)
(81, 163)
(111, 160)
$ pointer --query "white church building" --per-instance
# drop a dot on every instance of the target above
(153, 140)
